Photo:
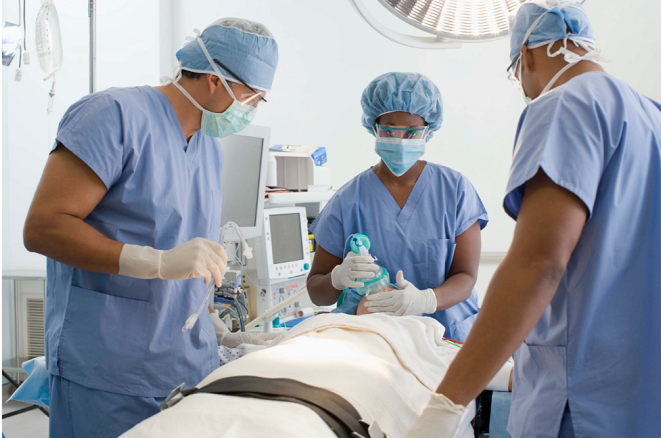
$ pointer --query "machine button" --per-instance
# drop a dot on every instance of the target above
(306, 266)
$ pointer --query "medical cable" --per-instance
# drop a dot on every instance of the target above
(238, 310)
(25, 28)
(230, 311)
(234, 298)
(226, 299)
(247, 252)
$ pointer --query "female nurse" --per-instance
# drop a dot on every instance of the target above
(423, 219)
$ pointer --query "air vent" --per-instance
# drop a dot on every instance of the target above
(35, 326)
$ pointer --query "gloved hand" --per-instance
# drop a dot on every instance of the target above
(352, 267)
(440, 419)
(196, 258)
(232, 340)
(407, 301)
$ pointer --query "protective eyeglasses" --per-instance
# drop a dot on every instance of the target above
(251, 99)
(403, 132)
(511, 70)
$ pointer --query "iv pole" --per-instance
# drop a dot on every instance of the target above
(91, 11)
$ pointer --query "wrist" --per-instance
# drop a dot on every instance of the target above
(453, 393)
(433, 301)
(142, 262)
(337, 285)
(442, 401)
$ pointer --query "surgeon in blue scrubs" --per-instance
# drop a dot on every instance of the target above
(128, 214)
(578, 296)
(423, 219)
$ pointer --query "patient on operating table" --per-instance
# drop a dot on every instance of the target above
(385, 367)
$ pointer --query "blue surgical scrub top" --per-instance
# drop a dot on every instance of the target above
(598, 343)
(418, 239)
(120, 334)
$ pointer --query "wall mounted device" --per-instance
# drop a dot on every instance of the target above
(299, 172)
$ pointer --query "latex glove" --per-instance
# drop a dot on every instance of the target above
(440, 419)
(196, 258)
(232, 340)
(408, 301)
(352, 267)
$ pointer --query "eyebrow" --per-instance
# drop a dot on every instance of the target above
(405, 126)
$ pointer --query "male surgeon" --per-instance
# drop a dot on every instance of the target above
(578, 296)
(128, 214)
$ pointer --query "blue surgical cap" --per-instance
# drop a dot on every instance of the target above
(245, 47)
(409, 92)
(562, 19)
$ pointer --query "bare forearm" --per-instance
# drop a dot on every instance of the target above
(456, 289)
(321, 290)
(72, 241)
(517, 296)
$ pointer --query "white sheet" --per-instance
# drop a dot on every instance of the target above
(384, 366)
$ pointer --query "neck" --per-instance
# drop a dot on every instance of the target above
(575, 70)
(389, 179)
(189, 115)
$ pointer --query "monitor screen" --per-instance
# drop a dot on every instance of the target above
(286, 238)
(240, 179)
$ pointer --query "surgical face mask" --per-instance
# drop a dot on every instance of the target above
(526, 99)
(232, 120)
(399, 154)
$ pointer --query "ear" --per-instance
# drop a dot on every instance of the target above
(213, 82)
(527, 59)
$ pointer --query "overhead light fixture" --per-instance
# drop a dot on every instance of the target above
(450, 21)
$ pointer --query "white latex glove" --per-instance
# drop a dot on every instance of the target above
(232, 340)
(408, 301)
(352, 267)
(440, 419)
(196, 258)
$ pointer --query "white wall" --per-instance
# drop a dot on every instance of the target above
(127, 54)
(328, 54)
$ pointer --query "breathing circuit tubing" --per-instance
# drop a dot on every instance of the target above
(247, 251)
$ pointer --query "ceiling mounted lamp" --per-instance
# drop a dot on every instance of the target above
(450, 21)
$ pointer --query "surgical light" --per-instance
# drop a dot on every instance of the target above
(450, 21)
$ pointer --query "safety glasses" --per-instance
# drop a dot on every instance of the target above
(251, 99)
(403, 132)
(511, 70)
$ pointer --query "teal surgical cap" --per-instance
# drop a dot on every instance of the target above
(245, 47)
(409, 92)
(557, 20)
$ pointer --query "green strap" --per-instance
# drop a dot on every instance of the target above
(341, 299)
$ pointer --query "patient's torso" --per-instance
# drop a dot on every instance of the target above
(343, 361)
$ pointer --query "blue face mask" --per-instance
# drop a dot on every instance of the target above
(399, 154)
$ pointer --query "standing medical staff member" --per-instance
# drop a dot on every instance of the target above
(128, 214)
(581, 283)
(422, 218)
